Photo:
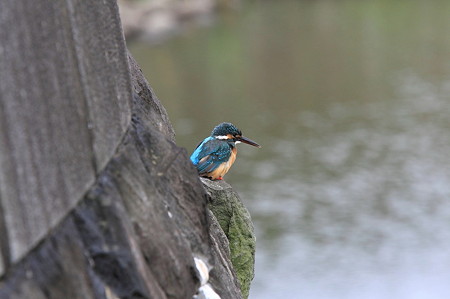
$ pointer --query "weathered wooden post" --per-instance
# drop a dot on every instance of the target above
(96, 200)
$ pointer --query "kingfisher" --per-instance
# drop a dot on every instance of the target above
(214, 156)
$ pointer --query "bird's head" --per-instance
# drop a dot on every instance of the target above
(229, 132)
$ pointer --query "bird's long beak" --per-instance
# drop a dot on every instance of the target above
(248, 141)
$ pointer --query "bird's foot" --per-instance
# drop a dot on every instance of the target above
(220, 178)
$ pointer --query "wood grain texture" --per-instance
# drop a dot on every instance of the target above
(96, 200)
(64, 108)
(149, 104)
(134, 234)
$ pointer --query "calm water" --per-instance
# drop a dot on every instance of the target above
(350, 194)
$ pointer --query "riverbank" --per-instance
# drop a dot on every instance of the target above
(156, 20)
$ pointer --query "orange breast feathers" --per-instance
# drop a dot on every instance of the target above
(224, 167)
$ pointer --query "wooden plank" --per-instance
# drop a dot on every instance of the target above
(103, 66)
(60, 119)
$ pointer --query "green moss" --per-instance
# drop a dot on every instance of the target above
(237, 225)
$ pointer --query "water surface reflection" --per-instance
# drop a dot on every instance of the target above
(350, 100)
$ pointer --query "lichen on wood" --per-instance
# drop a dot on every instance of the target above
(235, 221)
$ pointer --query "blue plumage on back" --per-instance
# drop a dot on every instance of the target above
(199, 151)
(210, 154)
(214, 156)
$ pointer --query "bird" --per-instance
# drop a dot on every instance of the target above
(214, 156)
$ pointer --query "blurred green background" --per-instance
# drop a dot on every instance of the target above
(350, 194)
